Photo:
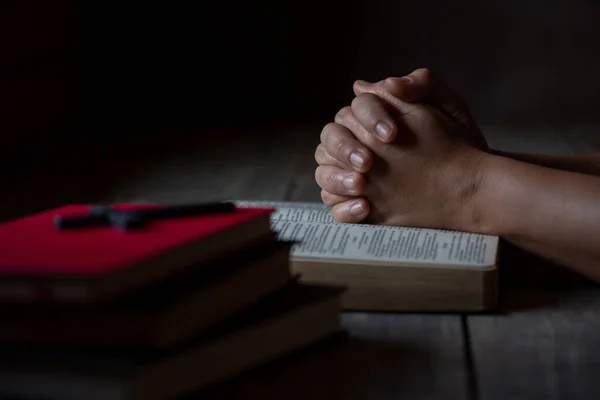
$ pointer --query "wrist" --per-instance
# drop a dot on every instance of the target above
(479, 212)
(497, 201)
(469, 183)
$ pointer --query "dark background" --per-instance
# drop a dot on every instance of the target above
(114, 68)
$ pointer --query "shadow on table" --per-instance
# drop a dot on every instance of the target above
(94, 166)
(531, 282)
(342, 368)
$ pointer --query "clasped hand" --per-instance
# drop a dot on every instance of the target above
(406, 152)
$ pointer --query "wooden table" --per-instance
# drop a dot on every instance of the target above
(543, 342)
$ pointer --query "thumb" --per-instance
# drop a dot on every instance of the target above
(421, 86)
(404, 88)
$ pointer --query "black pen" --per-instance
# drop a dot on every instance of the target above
(186, 210)
(105, 215)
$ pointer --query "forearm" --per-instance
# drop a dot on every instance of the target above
(553, 213)
(585, 164)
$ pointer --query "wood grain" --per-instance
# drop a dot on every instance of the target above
(549, 350)
(383, 356)
(240, 163)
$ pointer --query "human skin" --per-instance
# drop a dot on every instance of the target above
(434, 169)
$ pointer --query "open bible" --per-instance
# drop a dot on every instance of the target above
(388, 268)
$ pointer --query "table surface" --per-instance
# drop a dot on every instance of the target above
(543, 342)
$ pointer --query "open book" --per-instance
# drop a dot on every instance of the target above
(388, 268)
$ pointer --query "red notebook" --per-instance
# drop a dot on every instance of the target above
(38, 261)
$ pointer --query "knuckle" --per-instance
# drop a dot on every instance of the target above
(318, 173)
(336, 144)
(325, 178)
(325, 132)
(364, 106)
(394, 85)
(424, 74)
(327, 198)
(330, 180)
(331, 142)
(363, 99)
(343, 115)
(319, 154)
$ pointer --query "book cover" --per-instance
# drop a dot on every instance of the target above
(37, 260)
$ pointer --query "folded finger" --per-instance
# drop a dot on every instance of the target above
(339, 143)
(331, 199)
(322, 157)
(351, 211)
(340, 181)
(375, 115)
(346, 118)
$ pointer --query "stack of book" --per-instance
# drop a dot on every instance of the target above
(148, 302)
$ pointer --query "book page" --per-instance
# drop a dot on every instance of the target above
(319, 236)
